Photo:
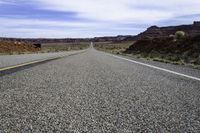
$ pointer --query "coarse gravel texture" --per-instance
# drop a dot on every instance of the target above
(94, 92)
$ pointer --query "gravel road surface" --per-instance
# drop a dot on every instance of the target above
(94, 92)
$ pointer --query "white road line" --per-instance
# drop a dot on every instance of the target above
(38, 61)
(158, 68)
(26, 64)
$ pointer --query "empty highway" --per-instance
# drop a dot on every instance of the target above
(96, 92)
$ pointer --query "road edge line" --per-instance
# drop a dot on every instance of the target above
(37, 61)
(155, 67)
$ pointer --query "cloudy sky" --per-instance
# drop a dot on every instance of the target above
(89, 18)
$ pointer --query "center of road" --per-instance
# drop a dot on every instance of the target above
(115, 56)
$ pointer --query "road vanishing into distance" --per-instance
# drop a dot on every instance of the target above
(93, 91)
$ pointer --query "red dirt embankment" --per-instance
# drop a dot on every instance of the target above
(9, 47)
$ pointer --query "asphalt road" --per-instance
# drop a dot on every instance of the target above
(10, 60)
(95, 92)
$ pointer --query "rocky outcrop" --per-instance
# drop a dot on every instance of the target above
(159, 32)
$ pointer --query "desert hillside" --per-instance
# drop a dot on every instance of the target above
(184, 50)
(159, 32)
(11, 47)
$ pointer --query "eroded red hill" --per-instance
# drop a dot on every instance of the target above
(9, 47)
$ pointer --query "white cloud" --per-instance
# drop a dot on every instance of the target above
(4, 2)
(9, 22)
(60, 29)
(125, 10)
(10, 2)
(105, 17)
(55, 33)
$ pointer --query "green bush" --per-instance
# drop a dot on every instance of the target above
(179, 34)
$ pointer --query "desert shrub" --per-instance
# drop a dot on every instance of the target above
(172, 57)
(179, 34)
(171, 36)
(198, 60)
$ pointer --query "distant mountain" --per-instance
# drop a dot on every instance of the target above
(159, 32)
(46, 40)
(114, 38)
(73, 40)
(151, 32)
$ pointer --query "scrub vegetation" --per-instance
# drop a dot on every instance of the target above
(179, 49)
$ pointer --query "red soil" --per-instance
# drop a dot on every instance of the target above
(16, 47)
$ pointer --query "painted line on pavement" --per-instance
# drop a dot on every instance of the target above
(26, 64)
(37, 61)
(158, 68)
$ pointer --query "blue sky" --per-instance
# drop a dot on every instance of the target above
(90, 18)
